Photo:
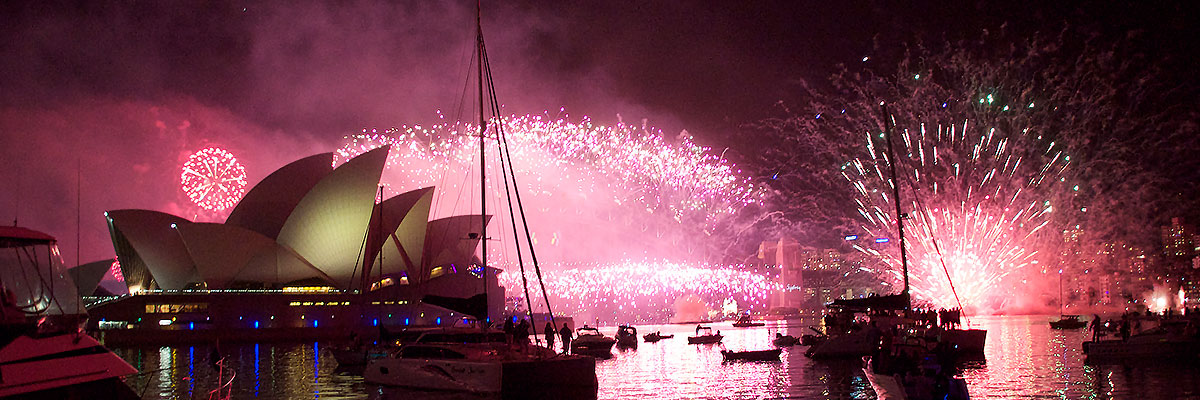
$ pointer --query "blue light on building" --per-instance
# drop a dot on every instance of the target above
(375, 322)
(851, 237)
(881, 240)
(255, 324)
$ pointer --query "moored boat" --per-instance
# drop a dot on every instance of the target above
(782, 340)
(704, 335)
(627, 336)
(480, 362)
(751, 355)
(655, 336)
(590, 341)
(744, 321)
(1068, 322)
(44, 354)
(1171, 340)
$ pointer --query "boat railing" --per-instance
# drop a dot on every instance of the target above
(225, 390)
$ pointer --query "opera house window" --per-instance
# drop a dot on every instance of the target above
(176, 308)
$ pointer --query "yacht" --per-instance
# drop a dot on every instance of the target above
(44, 353)
(627, 336)
(478, 361)
(591, 342)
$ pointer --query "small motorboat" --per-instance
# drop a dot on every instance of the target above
(627, 336)
(745, 321)
(752, 355)
(704, 335)
(782, 340)
(1068, 322)
(655, 336)
(590, 341)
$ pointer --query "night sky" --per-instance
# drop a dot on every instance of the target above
(118, 93)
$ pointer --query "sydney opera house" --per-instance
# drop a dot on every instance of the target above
(308, 253)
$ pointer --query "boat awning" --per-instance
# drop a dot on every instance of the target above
(888, 302)
(14, 236)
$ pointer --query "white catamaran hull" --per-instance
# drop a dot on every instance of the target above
(469, 376)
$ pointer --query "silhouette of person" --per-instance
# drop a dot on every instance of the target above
(564, 333)
(549, 332)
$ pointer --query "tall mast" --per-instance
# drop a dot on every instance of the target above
(482, 168)
(887, 128)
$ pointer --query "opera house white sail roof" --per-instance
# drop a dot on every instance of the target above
(306, 223)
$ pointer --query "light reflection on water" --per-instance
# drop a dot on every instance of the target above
(1025, 359)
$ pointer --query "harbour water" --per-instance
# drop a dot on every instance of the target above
(1025, 359)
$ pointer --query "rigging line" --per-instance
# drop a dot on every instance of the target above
(498, 124)
(503, 139)
(516, 237)
(938, 249)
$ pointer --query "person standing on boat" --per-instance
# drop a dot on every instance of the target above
(549, 332)
(508, 330)
(565, 334)
(521, 333)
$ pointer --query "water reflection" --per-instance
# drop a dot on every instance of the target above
(1025, 359)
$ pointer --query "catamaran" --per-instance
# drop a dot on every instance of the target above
(483, 360)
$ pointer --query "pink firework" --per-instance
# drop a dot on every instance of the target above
(115, 270)
(213, 178)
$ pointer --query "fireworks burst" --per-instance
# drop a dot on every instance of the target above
(636, 292)
(568, 169)
(213, 179)
(115, 270)
(981, 195)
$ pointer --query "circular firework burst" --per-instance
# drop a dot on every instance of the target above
(213, 178)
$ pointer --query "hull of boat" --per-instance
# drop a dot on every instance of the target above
(968, 341)
(348, 357)
(841, 346)
(756, 355)
(1143, 350)
(594, 347)
(747, 324)
(452, 375)
(574, 372)
(704, 339)
(1067, 324)
(886, 386)
(58, 364)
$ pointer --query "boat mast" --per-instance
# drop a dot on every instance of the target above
(887, 128)
(482, 168)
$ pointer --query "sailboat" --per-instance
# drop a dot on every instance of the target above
(840, 343)
(480, 360)
(889, 386)
(1065, 321)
